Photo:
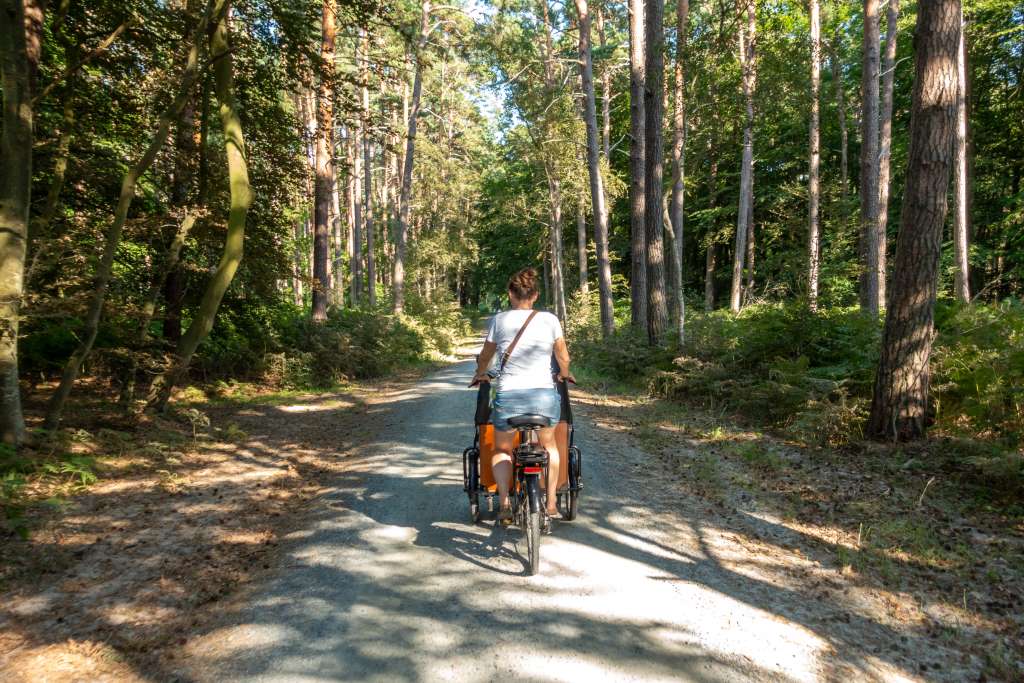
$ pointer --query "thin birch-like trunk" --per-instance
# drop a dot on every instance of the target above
(356, 241)
(557, 272)
(961, 224)
(606, 90)
(871, 285)
(677, 212)
(747, 37)
(371, 264)
(885, 139)
(814, 164)
(597, 198)
(581, 250)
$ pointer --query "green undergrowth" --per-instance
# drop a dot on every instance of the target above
(808, 376)
(288, 350)
(52, 465)
(278, 346)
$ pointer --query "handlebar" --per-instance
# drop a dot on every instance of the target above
(567, 380)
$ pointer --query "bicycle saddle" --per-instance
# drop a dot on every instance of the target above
(529, 421)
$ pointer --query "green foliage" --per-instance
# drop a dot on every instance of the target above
(811, 374)
(978, 366)
(67, 470)
(282, 345)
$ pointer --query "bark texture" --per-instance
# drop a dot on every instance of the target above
(885, 139)
(324, 161)
(677, 211)
(899, 407)
(371, 263)
(15, 193)
(962, 221)
(654, 163)
(747, 36)
(871, 283)
(637, 167)
(597, 199)
(813, 190)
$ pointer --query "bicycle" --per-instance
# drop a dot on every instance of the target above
(530, 465)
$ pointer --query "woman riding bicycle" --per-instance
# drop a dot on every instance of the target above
(525, 384)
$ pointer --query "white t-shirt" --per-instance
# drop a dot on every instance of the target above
(529, 366)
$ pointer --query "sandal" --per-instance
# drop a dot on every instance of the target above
(504, 517)
(545, 522)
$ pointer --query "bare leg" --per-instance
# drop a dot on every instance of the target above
(501, 464)
(546, 437)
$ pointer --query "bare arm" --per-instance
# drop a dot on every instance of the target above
(483, 361)
(562, 356)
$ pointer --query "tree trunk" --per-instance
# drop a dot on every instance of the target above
(606, 91)
(637, 166)
(748, 289)
(677, 213)
(324, 160)
(241, 199)
(747, 56)
(871, 284)
(171, 263)
(710, 261)
(581, 250)
(298, 265)
(844, 176)
(597, 198)
(371, 264)
(113, 236)
(962, 223)
(19, 55)
(356, 230)
(398, 278)
(654, 105)
(557, 272)
(337, 243)
(885, 140)
(813, 192)
(185, 152)
(899, 407)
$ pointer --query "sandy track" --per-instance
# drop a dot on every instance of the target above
(389, 581)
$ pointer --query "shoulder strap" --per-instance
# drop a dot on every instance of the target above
(515, 340)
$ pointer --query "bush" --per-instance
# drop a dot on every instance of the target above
(284, 347)
(978, 370)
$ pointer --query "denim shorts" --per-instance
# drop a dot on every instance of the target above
(514, 402)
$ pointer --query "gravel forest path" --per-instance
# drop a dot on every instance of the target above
(389, 581)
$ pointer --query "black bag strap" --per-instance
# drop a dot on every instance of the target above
(515, 340)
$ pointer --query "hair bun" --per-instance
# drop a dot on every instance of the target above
(523, 285)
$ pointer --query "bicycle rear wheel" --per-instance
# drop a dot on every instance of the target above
(532, 525)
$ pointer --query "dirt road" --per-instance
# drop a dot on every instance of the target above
(390, 582)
